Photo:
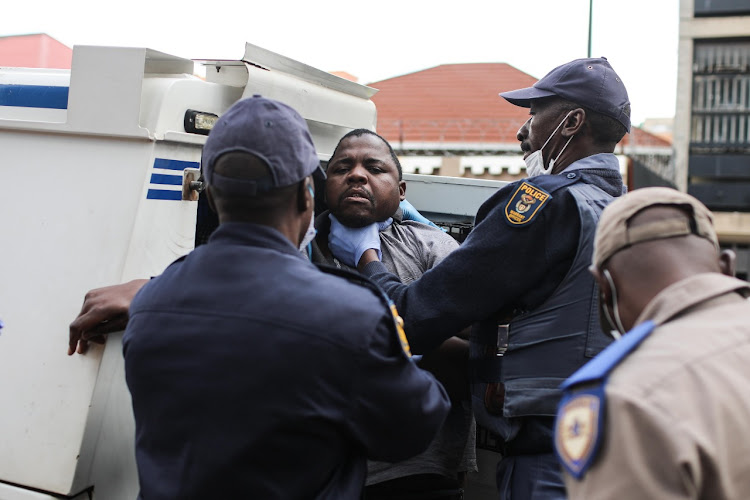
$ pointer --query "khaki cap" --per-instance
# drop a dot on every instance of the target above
(614, 234)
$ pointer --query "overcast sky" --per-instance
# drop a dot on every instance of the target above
(376, 40)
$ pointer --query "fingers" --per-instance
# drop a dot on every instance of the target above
(93, 326)
(88, 319)
(83, 346)
(75, 334)
(104, 310)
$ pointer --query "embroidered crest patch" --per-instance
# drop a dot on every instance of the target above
(578, 430)
(400, 329)
(525, 203)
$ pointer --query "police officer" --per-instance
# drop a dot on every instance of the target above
(253, 374)
(525, 265)
(662, 413)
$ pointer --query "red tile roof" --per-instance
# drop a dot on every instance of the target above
(452, 103)
(34, 51)
(459, 103)
(639, 137)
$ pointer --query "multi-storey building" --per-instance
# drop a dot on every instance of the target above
(712, 116)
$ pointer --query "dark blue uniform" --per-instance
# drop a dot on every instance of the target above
(523, 265)
(255, 375)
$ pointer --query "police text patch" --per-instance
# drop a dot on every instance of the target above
(525, 203)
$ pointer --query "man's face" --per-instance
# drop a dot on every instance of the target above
(362, 185)
(546, 115)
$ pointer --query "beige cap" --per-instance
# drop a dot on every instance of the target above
(613, 232)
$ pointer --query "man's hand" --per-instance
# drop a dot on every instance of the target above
(105, 310)
(349, 243)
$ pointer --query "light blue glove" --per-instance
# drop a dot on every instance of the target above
(382, 226)
(411, 213)
(349, 243)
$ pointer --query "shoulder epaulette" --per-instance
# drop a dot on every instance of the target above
(530, 196)
(552, 183)
(579, 425)
(599, 367)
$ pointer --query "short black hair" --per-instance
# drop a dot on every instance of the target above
(359, 132)
(605, 130)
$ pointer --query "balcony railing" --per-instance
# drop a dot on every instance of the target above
(721, 97)
(721, 132)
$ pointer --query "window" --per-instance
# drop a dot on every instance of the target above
(721, 8)
(721, 97)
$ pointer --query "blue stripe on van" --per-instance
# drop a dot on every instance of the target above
(163, 194)
(170, 180)
(34, 96)
(174, 164)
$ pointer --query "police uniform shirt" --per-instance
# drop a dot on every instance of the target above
(505, 264)
(530, 238)
(677, 413)
(255, 375)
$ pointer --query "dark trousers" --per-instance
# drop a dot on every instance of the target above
(530, 477)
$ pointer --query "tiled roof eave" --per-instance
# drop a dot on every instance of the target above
(635, 149)
(511, 148)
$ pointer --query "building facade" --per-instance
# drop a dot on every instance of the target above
(449, 120)
(712, 117)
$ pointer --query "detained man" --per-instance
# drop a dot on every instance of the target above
(364, 185)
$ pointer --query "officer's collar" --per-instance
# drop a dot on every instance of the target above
(688, 293)
(607, 161)
(251, 234)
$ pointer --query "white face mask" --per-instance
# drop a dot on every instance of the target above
(535, 161)
(617, 323)
(311, 231)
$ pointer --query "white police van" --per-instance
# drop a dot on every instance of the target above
(97, 164)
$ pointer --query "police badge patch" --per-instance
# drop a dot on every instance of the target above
(579, 425)
(525, 203)
(578, 430)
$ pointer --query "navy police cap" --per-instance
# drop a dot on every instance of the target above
(270, 130)
(591, 83)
